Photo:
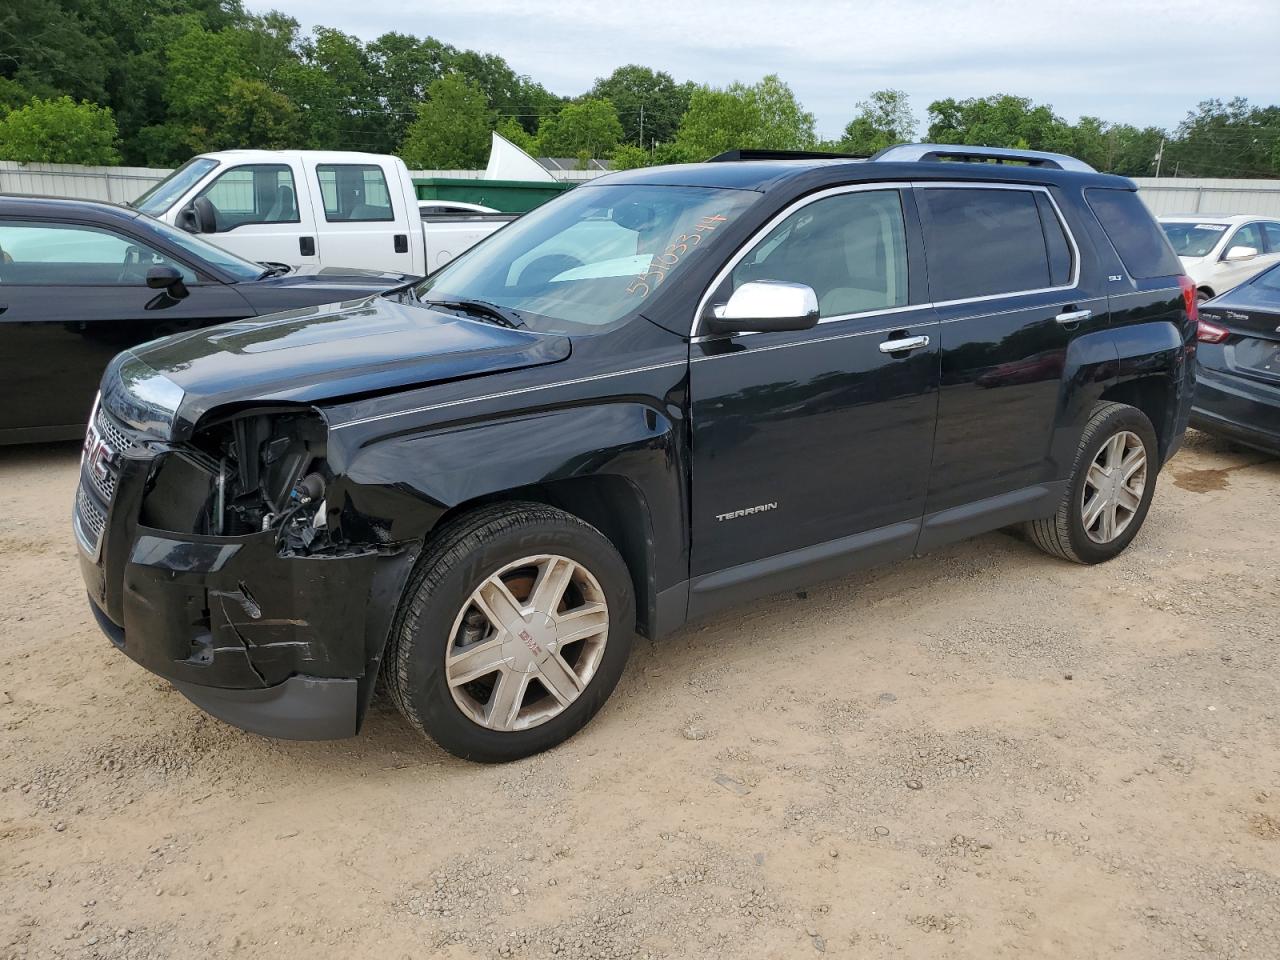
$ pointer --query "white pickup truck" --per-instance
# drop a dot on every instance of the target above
(321, 207)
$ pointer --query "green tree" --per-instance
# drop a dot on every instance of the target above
(764, 116)
(589, 125)
(59, 131)
(628, 157)
(510, 128)
(404, 67)
(649, 103)
(784, 124)
(255, 116)
(999, 121)
(883, 119)
(451, 130)
(1226, 139)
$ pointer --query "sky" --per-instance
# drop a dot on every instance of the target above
(1139, 62)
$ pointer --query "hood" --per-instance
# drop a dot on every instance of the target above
(337, 350)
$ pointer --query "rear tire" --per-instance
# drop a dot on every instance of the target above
(512, 633)
(1113, 479)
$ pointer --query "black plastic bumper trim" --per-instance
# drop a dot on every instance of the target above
(301, 708)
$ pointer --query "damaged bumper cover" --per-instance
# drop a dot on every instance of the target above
(274, 642)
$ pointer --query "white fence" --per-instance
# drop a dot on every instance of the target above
(1167, 196)
(122, 184)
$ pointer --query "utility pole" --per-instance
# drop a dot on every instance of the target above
(1159, 157)
(642, 124)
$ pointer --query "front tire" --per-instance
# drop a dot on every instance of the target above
(513, 632)
(1112, 481)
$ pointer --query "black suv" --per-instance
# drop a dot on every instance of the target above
(665, 393)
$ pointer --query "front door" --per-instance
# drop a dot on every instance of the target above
(811, 449)
(259, 215)
(72, 297)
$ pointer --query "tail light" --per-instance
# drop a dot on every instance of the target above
(1207, 332)
(1189, 297)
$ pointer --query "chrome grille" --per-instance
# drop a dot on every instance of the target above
(106, 441)
(91, 519)
(111, 432)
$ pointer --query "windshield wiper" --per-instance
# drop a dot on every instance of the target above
(274, 269)
(503, 316)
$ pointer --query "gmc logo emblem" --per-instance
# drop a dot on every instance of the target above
(531, 643)
(99, 456)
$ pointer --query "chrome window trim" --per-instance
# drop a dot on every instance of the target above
(507, 393)
(755, 238)
(697, 336)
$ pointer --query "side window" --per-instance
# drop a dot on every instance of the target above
(253, 193)
(984, 242)
(1271, 230)
(1143, 248)
(850, 248)
(58, 254)
(1250, 235)
(354, 192)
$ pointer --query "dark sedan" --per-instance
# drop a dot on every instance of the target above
(1238, 376)
(81, 281)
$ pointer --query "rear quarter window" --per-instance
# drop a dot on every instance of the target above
(1138, 239)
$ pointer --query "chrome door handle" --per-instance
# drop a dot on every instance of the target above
(903, 345)
(1073, 316)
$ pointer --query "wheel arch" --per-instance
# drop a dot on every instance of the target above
(1151, 395)
(612, 504)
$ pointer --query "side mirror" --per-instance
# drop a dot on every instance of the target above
(199, 216)
(1236, 254)
(765, 306)
(168, 278)
(187, 219)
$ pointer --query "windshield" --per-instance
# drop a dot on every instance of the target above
(582, 262)
(1194, 239)
(202, 250)
(166, 193)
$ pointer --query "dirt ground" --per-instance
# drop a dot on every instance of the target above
(983, 753)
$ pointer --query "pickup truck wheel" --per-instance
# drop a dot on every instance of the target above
(1110, 489)
(513, 632)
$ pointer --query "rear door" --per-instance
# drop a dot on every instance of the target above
(811, 448)
(259, 214)
(364, 219)
(71, 297)
(1005, 278)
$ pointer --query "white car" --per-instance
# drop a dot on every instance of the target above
(1219, 253)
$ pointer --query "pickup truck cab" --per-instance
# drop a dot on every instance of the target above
(315, 207)
(663, 394)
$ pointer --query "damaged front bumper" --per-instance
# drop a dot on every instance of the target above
(276, 642)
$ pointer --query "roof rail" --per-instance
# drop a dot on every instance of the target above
(929, 152)
(730, 155)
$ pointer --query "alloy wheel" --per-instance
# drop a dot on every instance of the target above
(1113, 487)
(527, 642)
